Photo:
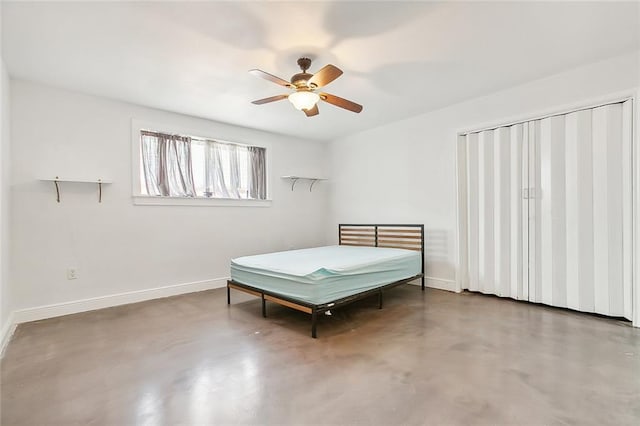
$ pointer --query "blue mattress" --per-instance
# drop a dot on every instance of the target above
(323, 274)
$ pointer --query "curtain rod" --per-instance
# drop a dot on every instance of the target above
(196, 138)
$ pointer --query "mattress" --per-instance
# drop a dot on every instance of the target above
(324, 274)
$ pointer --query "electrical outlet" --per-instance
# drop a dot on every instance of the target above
(72, 273)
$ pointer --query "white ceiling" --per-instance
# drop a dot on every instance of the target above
(399, 59)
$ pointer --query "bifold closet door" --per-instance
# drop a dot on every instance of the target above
(580, 224)
(496, 244)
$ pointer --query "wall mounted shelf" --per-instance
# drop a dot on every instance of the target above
(295, 179)
(58, 179)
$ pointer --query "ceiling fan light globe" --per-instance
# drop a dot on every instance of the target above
(303, 99)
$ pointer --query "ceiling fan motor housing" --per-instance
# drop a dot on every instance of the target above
(301, 79)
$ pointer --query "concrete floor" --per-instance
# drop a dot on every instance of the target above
(426, 358)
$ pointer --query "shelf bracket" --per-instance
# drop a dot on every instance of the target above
(55, 182)
(311, 180)
(293, 182)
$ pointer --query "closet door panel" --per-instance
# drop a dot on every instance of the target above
(608, 209)
(486, 216)
(472, 211)
(614, 205)
(534, 211)
(502, 208)
(627, 197)
(494, 211)
(517, 202)
(544, 218)
(600, 212)
(614, 143)
(585, 220)
(558, 221)
(552, 221)
(580, 216)
(572, 212)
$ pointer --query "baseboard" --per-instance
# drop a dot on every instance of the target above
(6, 333)
(441, 284)
(84, 305)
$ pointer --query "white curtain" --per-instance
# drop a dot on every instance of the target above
(223, 171)
(166, 165)
(548, 210)
(150, 158)
(257, 173)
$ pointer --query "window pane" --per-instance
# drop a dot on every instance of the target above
(198, 167)
(219, 170)
(243, 187)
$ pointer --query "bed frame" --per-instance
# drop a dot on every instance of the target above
(410, 237)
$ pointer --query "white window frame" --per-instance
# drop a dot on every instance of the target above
(150, 200)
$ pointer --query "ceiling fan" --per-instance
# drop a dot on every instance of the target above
(304, 96)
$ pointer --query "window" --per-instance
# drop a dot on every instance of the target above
(183, 166)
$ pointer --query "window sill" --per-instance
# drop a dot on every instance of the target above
(145, 200)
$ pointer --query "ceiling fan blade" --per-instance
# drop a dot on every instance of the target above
(339, 102)
(326, 75)
(271, 99)
(312, 111)
(271, 77)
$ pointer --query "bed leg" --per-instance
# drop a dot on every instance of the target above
(422, 279)
(264, 307)
(380, 299)
(314, 323)
(228, 294)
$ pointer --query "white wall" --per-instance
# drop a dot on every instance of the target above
(405, 171)
(5, 301)
(5, 306)
(116, 246)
